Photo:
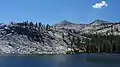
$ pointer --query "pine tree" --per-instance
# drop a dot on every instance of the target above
(40, 24)
(47, 27)
(26, 23)
(31, 24)
(11, 23)
(36, 25)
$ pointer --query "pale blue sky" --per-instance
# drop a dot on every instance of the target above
(54, 11)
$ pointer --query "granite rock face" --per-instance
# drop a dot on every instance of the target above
(16, 39)
(29, 38)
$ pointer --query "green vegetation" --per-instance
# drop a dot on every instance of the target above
(101, 43)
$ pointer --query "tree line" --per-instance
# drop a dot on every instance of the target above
(101, 43)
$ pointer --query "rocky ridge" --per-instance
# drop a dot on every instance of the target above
(29, 38)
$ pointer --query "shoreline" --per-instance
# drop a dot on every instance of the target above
(57, 54)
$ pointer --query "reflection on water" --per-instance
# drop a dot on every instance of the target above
(77, 60)
(109, 58)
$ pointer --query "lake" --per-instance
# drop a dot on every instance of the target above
(76, 60)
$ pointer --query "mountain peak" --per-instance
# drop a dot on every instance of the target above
(65, 22)
(98, 22)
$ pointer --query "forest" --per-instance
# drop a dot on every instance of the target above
(101, 43)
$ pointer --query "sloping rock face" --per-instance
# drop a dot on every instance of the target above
(29, 38)
(20, 39)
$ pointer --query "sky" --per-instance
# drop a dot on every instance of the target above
(54, 11)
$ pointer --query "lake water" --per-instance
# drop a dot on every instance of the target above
(77, 60)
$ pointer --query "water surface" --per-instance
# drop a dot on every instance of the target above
(77, 60)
